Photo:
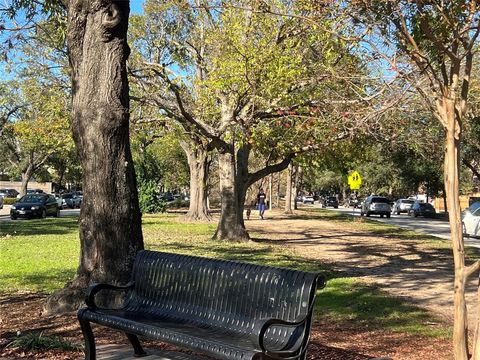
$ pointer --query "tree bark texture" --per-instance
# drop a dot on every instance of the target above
(451, 175)
(296, 185)
(197, 156)
(110, 220)
(288, 193)
(27, 174)
(231, 226)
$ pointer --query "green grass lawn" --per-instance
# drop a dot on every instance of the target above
(41, 255)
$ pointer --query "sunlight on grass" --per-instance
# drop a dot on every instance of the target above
(38, 255)
(348, 300)
(42, 255)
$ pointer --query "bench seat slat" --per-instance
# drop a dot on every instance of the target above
(218, 342)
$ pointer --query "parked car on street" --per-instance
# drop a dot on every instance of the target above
(422, 209)
(31, 192)
(331, 201)
(1, 202)
(352, 202)
(166, 196)
(376, 205)
(402, 206)
(59, 199)
(471, 220)
(35, 205)
(79, 194)
(8, 193)
(70, 200)
(308, 199)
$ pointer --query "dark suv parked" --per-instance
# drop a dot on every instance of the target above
(422, 209)
(331, 201)
(377, 205)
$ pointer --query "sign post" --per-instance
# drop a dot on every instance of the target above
(355, 181)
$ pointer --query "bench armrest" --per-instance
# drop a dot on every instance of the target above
(304, 321)
(274, 322)
(93, 289)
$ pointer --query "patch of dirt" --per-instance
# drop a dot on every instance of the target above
(23, 313)
(407, 268)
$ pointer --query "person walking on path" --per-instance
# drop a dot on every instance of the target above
(261, 202)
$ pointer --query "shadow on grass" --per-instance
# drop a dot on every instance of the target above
(40, 281)
(264, 255)
(344, 300)
(48, 226)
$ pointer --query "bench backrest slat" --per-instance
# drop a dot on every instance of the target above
(219, 293)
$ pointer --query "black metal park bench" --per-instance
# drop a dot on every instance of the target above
(224, 309)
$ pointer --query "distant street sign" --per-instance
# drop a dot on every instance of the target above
(355, 180)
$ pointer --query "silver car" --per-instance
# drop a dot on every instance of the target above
(471, 220)
(376, 205)
(402, 206)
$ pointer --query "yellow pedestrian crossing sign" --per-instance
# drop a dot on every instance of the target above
(355, 180)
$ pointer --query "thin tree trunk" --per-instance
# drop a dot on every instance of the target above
(110, 220)
(277, 202)
(26, 176)
(288, 192)
(451, 174)
(270, 189)
(445, 205)
(61, 176)
(197, 156)
(296, 184)
(472, 168)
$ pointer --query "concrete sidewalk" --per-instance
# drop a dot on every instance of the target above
(124, 352)
(5, 211)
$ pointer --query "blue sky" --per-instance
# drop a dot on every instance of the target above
(136, 6)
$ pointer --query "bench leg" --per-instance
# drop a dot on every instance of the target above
(90, 350)
(137, 347)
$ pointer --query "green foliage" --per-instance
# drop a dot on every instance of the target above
(9, 201)
(159, 157)
(39, 129)
(268, 70)
(33, 341)
(149, 198)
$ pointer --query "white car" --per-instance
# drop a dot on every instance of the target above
(471, 220)
(308, 199)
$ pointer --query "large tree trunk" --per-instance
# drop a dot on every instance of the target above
(110, 220)
(231, 225)
(197, 155)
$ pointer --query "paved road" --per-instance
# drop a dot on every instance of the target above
(438, 227)
(5, 213)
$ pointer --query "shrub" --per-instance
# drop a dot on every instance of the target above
(149, 198)
(36, 341)
(9, 201)
(178, 203)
